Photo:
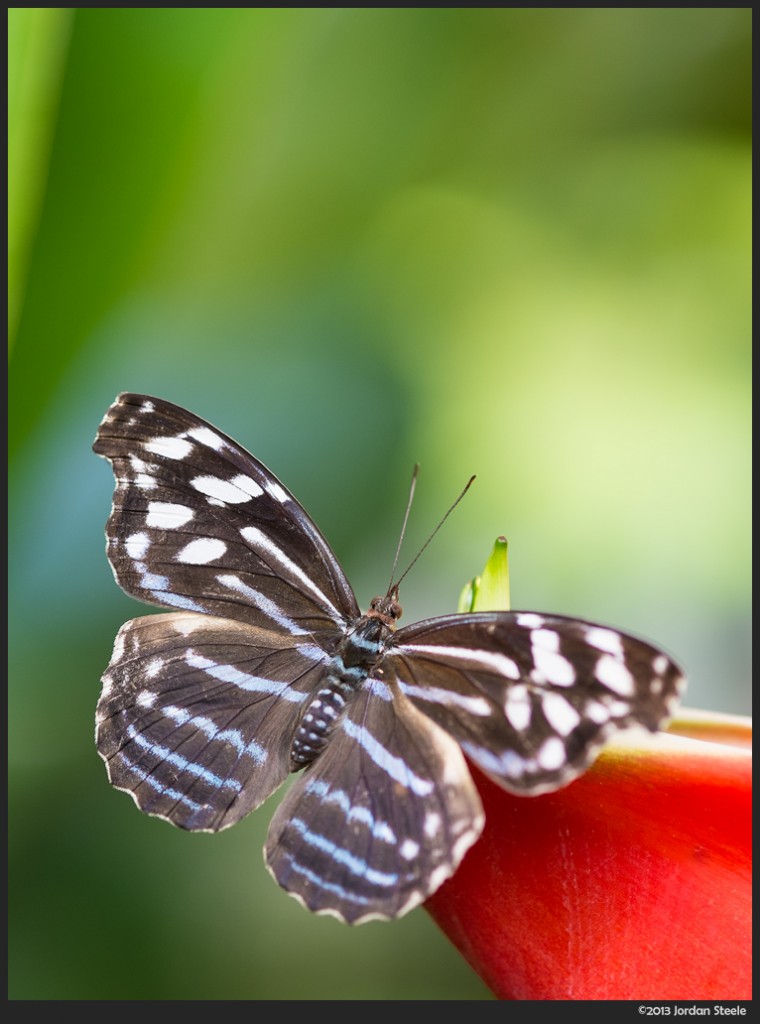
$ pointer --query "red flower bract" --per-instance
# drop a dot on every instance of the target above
(634, 882)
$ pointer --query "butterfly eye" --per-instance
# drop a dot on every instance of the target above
(396, 610)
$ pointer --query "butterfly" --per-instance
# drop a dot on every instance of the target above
(265, 666)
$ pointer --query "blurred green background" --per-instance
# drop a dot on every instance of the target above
(507, 241)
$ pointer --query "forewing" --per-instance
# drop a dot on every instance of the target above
(381, 818)
(197, 714)
(199, 524)
(531, 698)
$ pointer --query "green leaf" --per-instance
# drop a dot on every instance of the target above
(490, 591)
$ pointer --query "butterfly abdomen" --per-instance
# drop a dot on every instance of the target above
(319, 718)
(351, 665)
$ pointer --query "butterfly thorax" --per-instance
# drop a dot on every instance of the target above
(352, 663)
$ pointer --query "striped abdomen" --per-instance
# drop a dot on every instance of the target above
(319, 718)
(350, 667)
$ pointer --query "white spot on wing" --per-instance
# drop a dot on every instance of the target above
(614, 675)
(530, 620)
(606, 640)
(137, 544)
(222, 490)
(163, 515)
(660, 664)
(433, 824)
(596, 711)
(202, 551)
(245, 483)
(153, 667)
(142, 478)
(553, 668)
(409, 849)
(617, 708)
(560, 714)
(545, 639)
(207, 437)
(151, 580)
(517, 707)
(169, 447)
(552, 754)
(277, 492)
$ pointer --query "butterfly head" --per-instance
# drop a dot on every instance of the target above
(387, 608)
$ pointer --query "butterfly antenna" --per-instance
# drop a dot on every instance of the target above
(413, 484)
(435, 531)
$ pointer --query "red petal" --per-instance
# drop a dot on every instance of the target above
(634, 882)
